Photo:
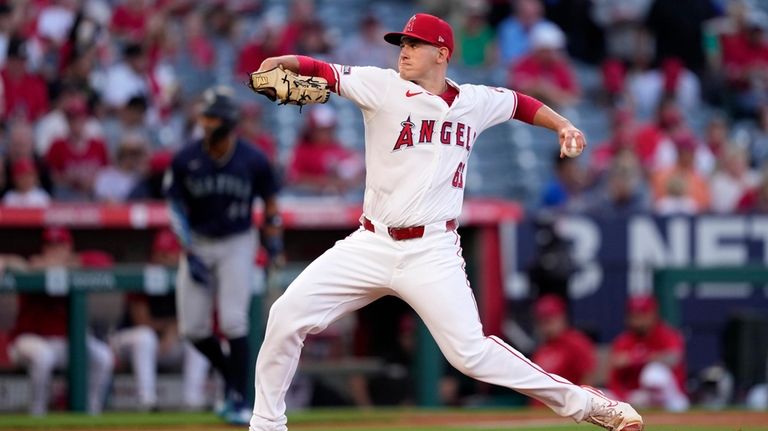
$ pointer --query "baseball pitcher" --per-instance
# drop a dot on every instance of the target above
(420, 128)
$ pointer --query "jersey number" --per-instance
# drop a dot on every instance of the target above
(238, 210)
(458, 177)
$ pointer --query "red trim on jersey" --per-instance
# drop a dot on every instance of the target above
(527, 107)
(449, 94)
(311, 67)
(338, 79)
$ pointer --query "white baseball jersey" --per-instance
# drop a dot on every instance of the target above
(416, 146)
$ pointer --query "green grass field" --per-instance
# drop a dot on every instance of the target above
(386, 420)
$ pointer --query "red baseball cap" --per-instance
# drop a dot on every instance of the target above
(549, 306)
(76, 106)
(427, 28)
(160, 161)
(642, 304)
(57, 235)
(96, 259)
(165, 242)
(22, 167)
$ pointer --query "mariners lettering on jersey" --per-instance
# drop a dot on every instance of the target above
(456, 133)
(220, 184)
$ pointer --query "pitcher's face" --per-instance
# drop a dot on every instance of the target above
(418, 58)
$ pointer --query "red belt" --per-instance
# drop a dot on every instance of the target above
(403, 233)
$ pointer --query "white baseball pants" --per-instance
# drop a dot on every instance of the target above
(428, 274)
(41, 355)
(141, 345)
(231, 261)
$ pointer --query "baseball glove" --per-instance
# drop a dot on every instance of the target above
(289, 87)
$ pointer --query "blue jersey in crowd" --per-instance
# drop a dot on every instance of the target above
(214, 198)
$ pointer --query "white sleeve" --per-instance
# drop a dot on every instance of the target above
(497, 104)
(366, 86)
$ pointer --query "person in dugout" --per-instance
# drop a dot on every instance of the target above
(148, 337)
(39, 337)
(648, 360)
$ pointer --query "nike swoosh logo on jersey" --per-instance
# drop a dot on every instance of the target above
(409, 94)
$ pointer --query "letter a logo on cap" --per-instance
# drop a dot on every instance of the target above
(440, 39)
(409, 26)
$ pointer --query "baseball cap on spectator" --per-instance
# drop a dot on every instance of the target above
(17, 49)
(322, 117)
(549, 306)
(546, 35)
(133, 50)
(57, 235)
(160, 161)
(165, 242)
(22, 167)
(684, 142)
(137, 102)
(642, 304)
(427, 28)
(96, 259)
(75, 106)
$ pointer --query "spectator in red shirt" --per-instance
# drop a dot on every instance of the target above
(745, 58)
(302, 14)
(24, 94)
(263, 45)
(564, 351)
(655, 142)
(545, 73)
(755, 201)
(648, 360)
(75, 160)
(321, 164)
(623, 131)
(40, 333)
(129, 20)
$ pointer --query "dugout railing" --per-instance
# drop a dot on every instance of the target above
(665, 280)
(303, 219)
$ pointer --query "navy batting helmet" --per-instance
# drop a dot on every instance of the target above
(218, 102)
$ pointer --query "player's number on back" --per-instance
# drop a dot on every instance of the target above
(458, 177)
(238, 210)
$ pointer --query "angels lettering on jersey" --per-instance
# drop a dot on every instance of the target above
(450, 133)
(419, 139)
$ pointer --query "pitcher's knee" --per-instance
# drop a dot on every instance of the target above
(284, 322)
(468, 361)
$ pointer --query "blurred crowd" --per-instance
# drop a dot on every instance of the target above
(97, 94)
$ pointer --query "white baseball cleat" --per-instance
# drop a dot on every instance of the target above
(611, 414)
